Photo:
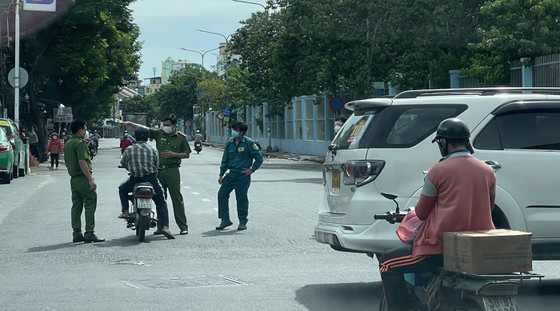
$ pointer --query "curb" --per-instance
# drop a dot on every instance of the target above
(277, 155)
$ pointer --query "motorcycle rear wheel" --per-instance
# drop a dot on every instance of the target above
(141, 227)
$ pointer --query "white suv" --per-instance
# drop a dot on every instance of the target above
(386, 147)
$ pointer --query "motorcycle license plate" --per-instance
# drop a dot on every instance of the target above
(500, 303)
(336, 179)
(143, 204)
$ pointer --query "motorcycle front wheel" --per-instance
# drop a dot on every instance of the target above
(141, 227)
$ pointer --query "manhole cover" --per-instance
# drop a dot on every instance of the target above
(188, 282)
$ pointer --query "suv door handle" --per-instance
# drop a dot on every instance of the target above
(494, 164)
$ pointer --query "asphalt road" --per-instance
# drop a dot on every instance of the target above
(274, 265)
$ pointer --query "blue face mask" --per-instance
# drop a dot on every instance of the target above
(234, 133)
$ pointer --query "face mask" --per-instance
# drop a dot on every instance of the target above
(86, 135)
(55, 137)
(234, 133)
(167, 129)
(337, 128)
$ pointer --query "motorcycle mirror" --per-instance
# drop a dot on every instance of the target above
(389, 196)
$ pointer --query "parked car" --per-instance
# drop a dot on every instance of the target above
(6, 158)
(386, 147)
(20, 152)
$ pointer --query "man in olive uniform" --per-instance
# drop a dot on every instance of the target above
(238, 157)
(82, 184)
(172, 146)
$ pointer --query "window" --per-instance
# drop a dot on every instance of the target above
(415, 124)
(354, 128)
(522, 130)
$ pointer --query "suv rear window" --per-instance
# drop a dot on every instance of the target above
(522, 130)
(6, 126)
(404, 126)
(351, 134)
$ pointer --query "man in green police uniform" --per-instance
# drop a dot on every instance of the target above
(82, 184)
(172, 146)
(238, 157)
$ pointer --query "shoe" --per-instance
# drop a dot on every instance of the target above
(167, 233)
(78, 239)
(242, 225)
(184, 232)
(158, 232)
(123, 216)
(93, 238)
(224, 224)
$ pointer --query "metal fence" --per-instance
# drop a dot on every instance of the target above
(546, 71)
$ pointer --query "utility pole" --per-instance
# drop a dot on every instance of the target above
(16, 77)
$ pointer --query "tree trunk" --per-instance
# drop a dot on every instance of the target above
(37, 118)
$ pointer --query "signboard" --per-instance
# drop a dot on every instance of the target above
(226, 111)
(63, 115)
(40, 5)
(23, 77)
(336, 103)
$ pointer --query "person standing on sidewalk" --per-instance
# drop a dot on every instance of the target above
(55, 149)
(242, 157)
(82, 184)
(172, 146)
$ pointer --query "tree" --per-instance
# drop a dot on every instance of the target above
(81, 59)
(510, 30)
(179, 96)
(143, 104)
(211, 93)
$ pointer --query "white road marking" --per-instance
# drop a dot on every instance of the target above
(131, 284)
(186, 187)
(206, 200)
(215, 208)
(195, 193)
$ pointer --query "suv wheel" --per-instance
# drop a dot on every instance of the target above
(15, 172)
(21, 172)
(500, 219)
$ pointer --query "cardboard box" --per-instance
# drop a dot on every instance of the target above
(488, 251)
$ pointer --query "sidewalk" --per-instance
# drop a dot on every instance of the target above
(278, 155)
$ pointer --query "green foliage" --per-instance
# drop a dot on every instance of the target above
(180, 95)
(510, 30)
(85, 56)
(212, 93)
(144, 104)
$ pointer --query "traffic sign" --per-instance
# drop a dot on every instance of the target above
(226, 111)
(23, 77)
(40, 5)
(63, 115)
(336, 103)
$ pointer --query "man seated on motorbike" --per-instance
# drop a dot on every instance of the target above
(142, 161)
(458, 195)
(198, 136)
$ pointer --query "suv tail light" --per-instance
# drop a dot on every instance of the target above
(361, 173)
(144, 193)
(4, 148)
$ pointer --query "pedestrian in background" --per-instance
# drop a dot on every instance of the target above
(339, 122)
(82, 184)
(55, 149)
(172, 146)
(242, 157)
(125, 142)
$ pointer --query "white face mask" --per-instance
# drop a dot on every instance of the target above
(167, 129)
(337, 127)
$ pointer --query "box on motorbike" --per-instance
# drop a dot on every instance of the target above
(488, 251)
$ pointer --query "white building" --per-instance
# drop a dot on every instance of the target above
(169, 66)
(222, 61)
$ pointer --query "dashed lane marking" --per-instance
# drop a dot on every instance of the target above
(206, 200)
(195, 193)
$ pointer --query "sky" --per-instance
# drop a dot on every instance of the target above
(168, 25)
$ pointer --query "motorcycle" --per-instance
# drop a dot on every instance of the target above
(453, 290)
(197, 146)
(141, 217)
(92, 147)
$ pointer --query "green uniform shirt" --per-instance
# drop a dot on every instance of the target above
(74, 151)
(238, 157)
(176, 142)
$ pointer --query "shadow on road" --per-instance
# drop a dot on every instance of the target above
(535, 295)
(346, 296)
(120, 242)
(318, 181)
(215, 233)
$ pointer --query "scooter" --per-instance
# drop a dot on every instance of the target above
(92, 148)
(140, 215)
(197, 146)
(452, 290)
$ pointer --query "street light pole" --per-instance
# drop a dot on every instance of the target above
(226, 38)
(250, 2)
(201, 53)
(16, 67)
